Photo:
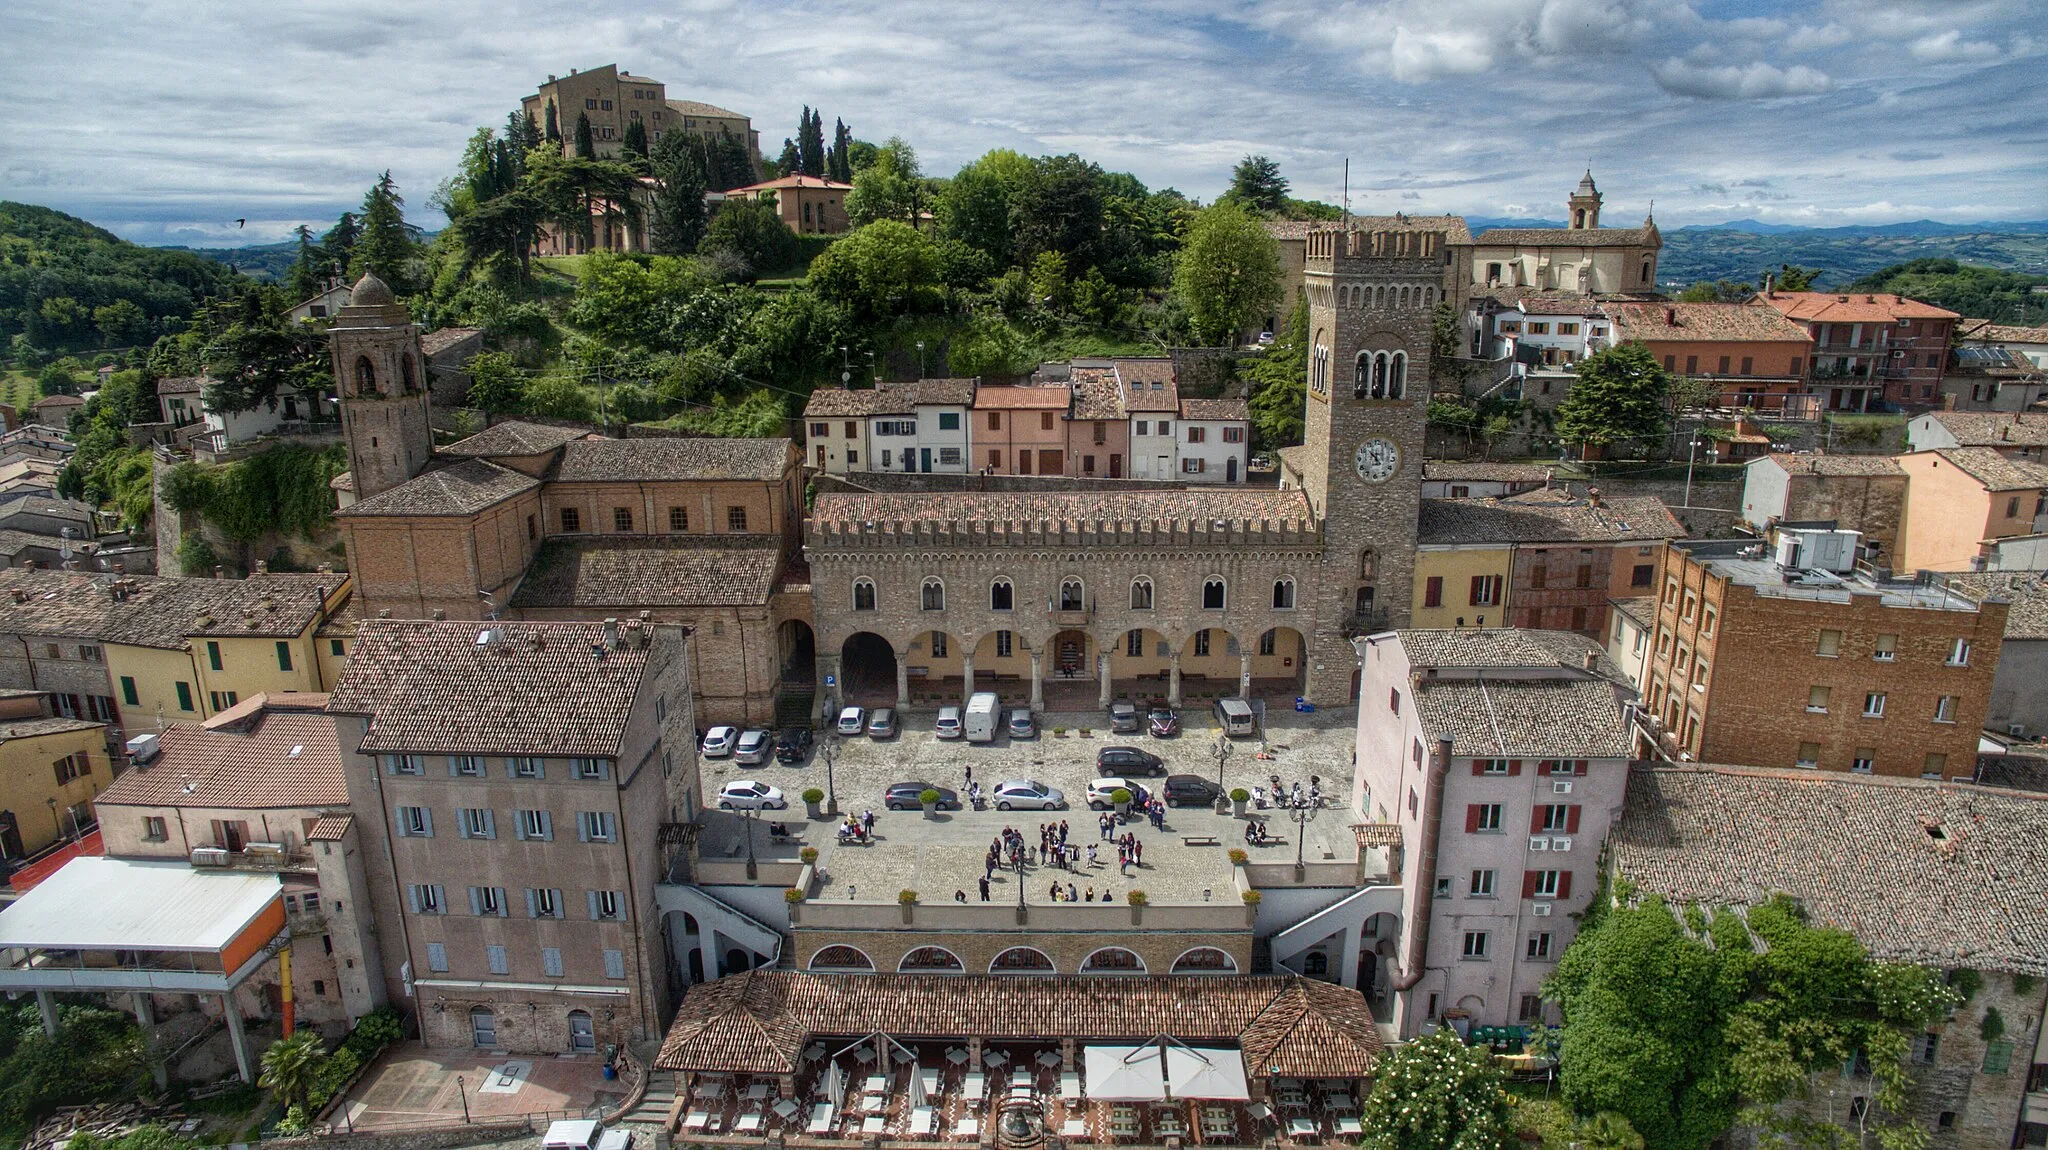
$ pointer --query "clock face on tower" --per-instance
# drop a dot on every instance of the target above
(1377, 460)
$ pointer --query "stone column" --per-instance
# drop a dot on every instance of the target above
(966, 677)
(237, 1036)
(1244, 675)
(1173, 680)
(1347, 962)
(902, 683)
(145, 1020)
(46, 1005)
(1102, 661)
(1037, 680)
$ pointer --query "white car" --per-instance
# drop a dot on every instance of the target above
(754, 747)
(718, 742)
(853, 722)
(748, 795)
(1027, 795)
(1100, 790)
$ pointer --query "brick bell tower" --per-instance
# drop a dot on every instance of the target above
(380, 377)
(1372, 292)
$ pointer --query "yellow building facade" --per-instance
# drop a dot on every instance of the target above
(1462, 586)
(50, 770)
(231, 650)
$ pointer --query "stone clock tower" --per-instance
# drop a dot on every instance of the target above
(1372, 290)
(378, 373)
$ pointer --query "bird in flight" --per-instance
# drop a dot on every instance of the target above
(240, 223)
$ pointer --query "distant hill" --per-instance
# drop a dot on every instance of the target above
(272, 262)
(68, 286)
(1722, 252)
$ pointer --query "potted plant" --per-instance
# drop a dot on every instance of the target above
(929, 799)
(1137, 900)
(812, 797)
(1238, 857)
(809, 855)
(1121, 799)
(1238, 798)
(1252, 897)
(794, 898)
(906, 899)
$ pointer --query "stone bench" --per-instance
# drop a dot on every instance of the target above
(1200, 841)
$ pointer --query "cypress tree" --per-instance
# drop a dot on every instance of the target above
(841, 168)
(308, 271)
(810, 142)
(634, 146)
(386, 246)
(338, 246)
(678, 207)
(791, 162)
(586, 148)
(554, 130)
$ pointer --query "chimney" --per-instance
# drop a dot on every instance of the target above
(440, 616)
(611, 632)
(1670, 316)
(220, 572)
(1592, 658)
(20, 596)
(1592, 497)
(262, 567)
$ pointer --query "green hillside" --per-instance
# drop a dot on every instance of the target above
(1695, 254)
(67, 286)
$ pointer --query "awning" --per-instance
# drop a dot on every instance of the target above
(1164, 1069)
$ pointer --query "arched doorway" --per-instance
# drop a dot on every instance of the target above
(1278, 660)
(1070, 655)
(797, 647)
(868, 664)
(1022, 960)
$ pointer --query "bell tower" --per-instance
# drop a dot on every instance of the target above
(1372, 294)
(380, 377)
(1584, 206)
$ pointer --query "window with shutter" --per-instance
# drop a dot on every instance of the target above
(500, 963)
(437, 958)
(551, 961)
(615, 964)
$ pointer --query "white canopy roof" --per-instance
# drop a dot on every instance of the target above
(1125, 1073)
(1205, 1072)
(96, 903)
(1164, 1069)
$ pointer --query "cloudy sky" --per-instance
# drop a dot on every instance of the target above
(164, 120)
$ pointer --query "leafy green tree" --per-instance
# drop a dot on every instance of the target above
(256, 352)
(1056, 206)
(1049, 285)
(1436, 1093)
(291, 1066)
(627, 301)
(1256, 183)
(633, 147)
(1618, 395)
(1280, 382)
(309, 270)
(1228, 273)
(791, 160)
(338, 243)
(990, 347)
(1979, 292)
(1716, 291)
(974, 206)
(792, 339)
(559, 397)
(891, 188)
(56, 379)
(522, 132)
(678, 203)
(388, 246)
(1792, 277)
(121, 323)
(495, 385)
(881, 271)
(586, 147)
(747, 238)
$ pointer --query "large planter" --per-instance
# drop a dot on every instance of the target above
(930, 809)
(813, 810)
(1237, 807)
(1123, 810)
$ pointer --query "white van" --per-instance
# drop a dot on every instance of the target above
(1235, 717)
(984, 715)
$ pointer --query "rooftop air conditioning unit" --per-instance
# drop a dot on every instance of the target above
(1560, 786)
(1560, 844)
(1540, 910)
(142, 748)
(1539, 844)
(209, 856)
(271, 853)
(2016, 730)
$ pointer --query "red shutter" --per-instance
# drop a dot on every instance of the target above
(1583, 764)
(1571, 819)
(1478, 766)
(1471, 817)
(1514, 766)
(1433, 595)
(1564, 884)
(1536, 819)
(1543, 768)
(1529, 879)
(1478, 589)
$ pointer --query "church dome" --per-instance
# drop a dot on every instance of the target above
(371, 292)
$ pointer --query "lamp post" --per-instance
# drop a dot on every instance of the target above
(1301, 815)
(54, 820)
(462, 1092)
(747, 819)
(920, 368)
(829, 749)
(1020, 880)
(1222, 754)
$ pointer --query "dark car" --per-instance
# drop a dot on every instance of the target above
(1189, 791)
(906, 797)
(1127, 762)
(793, 744)
(1163, 722)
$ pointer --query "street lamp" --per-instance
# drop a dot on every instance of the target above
(1301, 815)
(828, 749)
(1019, 863)
(747, 818)
(54, 820)
(920, 367)
(1222, 754)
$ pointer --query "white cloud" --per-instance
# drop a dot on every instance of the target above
(1808, 38)
(1756, 81)
(1950, 45)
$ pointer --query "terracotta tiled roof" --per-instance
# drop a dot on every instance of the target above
(1452, 469)
(71, 509)
(1097, 395)
(890, 398)
(700, 108)
(1553, 516)
(797, 181)
(657, 460)
(1703, 322)
(652, 571)
(70, 604)
(59, 401)
(330, 828)
(1850, 307)
(1984, 331)
(758, 1022)
(284, 756)
(1944, 874)
(1828, 465)
(1568, 237)
(1201, 505)
(512, 437)
(45, 725)
(1641, 608)
(1296, 458)
(1148, 385)
(182, 385)
(13, 542)
(2027, 592)
(1496, 648)
(342, 621)
(1291, 229)
(1024, 397)
(463, 488)
(1540, 718)
(262, 606)
(1995, 471)
(550, 688)
(435, 342)
(1994, 428)
(1214, 409)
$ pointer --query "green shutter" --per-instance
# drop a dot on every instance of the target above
(1998, 1056)
(185, 696)
(128, 694)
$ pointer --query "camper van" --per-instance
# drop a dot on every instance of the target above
(984, 715)
(1235, 717)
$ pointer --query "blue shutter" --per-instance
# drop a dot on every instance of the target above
(615, 964)
(583, 820)
(412, 893)
(490, 824)
(593, 904)
(427, 818)
(476, 902)
(551, 961)
(547, 826)
(532, 910)
(437, 957)
(499, 963)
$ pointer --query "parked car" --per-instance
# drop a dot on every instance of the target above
(908, 797)
(1022, 724)
(1027, 795)
(882, 724)
(754, 747)
(1163, 721)
(1100, 790)
(1123, 717)
(1236, 718)
(718, 742)
(1128, 761)
(1262, 462)
(748, 795)
(793, 745)
(852, 721)
(948, 725)
(1189, 791)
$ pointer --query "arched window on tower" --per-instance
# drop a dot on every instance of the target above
(1379, 375)
(1361, 380)
(863, 594)
(1397, 375)
(1001, 595)
(406, 375)
(1283, 593)
(932, 597)
(1213, 593)
(1579, 218)
(1072, 595)
(366, 376)
(1647, 270)
(1141, 594)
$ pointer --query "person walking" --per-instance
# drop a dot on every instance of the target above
(984, 886)
(1137, 850)
(1092, 860)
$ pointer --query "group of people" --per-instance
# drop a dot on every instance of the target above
(1286, 799)
(858, 830)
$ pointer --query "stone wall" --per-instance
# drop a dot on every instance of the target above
(896, 482)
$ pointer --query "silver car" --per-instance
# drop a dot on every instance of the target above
(948, 725)
(1027, 795)
(753, 748)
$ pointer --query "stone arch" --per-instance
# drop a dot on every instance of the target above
(1022, 960)
(1397, 375)
(1071, 653)
(796, 646)
(366, 376)
(1113, 960)
(1472, 1004)
(864, 594)
(840, 956)
(931, 594)
(1211, 651)
(1204, 960)
(1649, 269)
(867, 665)
(1142, 593)
(1279, 661)
(930, 960)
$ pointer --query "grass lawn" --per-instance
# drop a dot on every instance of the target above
(568, 267)
(18, 389)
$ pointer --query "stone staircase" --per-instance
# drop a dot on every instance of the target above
(655, 1104)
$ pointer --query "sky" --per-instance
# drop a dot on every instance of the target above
(167, 120)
